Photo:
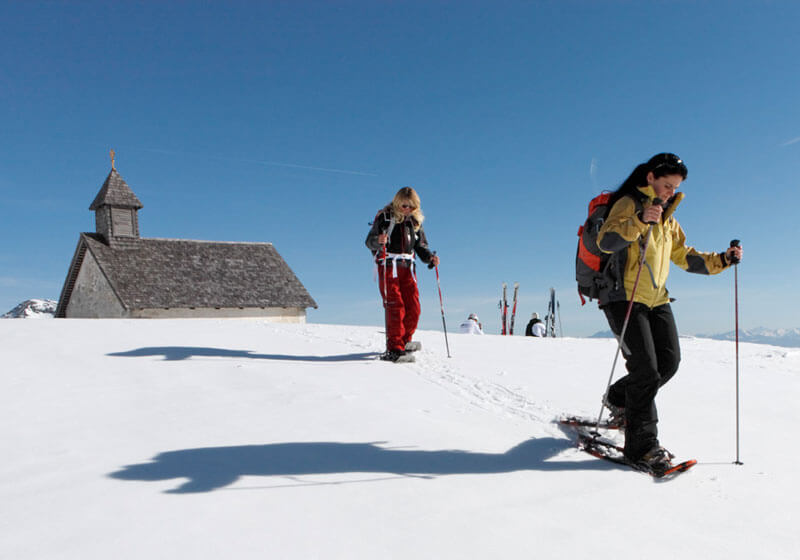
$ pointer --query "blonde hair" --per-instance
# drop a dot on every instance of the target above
(407, 195)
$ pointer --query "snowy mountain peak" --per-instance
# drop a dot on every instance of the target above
(33, 309)
(761, 335)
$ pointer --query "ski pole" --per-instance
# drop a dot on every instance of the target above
(735, 261)
(441, 306)
(627, 314)
(383, 256)
(385, 295)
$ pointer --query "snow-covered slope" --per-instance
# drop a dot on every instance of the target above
(33, 309)
(242, 439)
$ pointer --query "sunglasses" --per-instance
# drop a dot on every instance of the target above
(670, 161)
(408, 206)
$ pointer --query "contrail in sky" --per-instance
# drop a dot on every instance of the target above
(792, 141)
(593, 171)
(263, 162)
(328, 169)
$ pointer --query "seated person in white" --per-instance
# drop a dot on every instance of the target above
(471, 325)
(535, 326)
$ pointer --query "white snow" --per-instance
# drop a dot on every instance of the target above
(244, 439)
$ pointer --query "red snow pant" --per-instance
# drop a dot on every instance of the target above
(401, 302)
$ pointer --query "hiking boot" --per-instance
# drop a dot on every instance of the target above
(413, 346)
(397, 356)
(657, 459)
(616, 414)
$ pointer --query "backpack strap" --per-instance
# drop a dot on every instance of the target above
(392, 223)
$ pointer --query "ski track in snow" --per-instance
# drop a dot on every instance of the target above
(486, 395)
(479, 393)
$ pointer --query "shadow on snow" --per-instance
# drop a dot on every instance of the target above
(176, 353)
(212, 468)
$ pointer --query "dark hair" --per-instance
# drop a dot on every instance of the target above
(660, 164)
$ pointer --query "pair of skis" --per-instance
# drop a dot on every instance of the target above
(505, 327)
(590, 441)
(550, 318)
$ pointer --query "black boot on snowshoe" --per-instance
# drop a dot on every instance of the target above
(616, 414)
(397, 356)
(657, 459)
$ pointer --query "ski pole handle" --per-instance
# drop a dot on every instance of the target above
(734, 258)
(431, 265)
(656, 202)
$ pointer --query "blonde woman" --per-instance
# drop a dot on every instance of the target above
(396, 239)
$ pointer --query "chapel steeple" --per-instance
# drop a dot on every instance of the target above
(116, 208)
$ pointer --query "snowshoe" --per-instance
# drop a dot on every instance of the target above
(587, 422)
(657, 462)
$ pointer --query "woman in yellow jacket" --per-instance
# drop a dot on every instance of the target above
(642, 215)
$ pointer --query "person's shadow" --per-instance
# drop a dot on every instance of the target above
(176, 353)
(212, 468)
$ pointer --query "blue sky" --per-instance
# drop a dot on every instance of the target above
(293, 122)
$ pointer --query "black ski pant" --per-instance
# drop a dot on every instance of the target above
(652, 354)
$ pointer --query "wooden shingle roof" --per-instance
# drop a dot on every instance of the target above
(178, 273)
(115, 192)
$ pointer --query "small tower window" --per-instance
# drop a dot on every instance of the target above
(122, 222)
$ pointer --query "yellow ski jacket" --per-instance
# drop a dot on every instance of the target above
(622, 234)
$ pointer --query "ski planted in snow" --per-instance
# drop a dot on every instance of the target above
(513, 308)
(503, 310)
(550, 318)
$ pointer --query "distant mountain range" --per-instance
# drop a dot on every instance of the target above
(46, 309)
(760, 335)
(33, 309)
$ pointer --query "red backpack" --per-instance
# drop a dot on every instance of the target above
(591, 262)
